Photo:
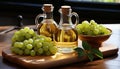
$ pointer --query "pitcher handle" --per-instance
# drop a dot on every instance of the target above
(77, 18)
(37, 18)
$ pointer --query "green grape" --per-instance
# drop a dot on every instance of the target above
(27, 51)
(15, 50)
(29, 46)
(35, 49)
(13, 39)
(26, 42)
(35, 42)
(32, 53)
(26, 29)
(48, 39)
(22, 32)
(84, 23)
(46, 43)
(16, 38)
(41, 36)
(36, 36)
(17, 33)
(96, 31)
(92, 22)
(45, 48)
(53, 49)
(47, 53)
(21, 38)
(51, 44)
(16, 44)
(40, 51)
(31, 31)
(30, 41)
(20, 52)
(23, 47)
(20, 44)
(41, 39)
(107, 32)
(28, 36)
(39, 45)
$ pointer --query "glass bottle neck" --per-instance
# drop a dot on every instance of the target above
(49, 15)
(65, 19)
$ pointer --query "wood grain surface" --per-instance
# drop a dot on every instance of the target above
(52, 61)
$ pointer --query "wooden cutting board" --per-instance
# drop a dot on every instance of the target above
(55, 60)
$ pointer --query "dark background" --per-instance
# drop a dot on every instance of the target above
(103, 13)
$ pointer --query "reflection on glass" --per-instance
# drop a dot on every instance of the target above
(108, 1)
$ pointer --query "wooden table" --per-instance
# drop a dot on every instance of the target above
(111, 62)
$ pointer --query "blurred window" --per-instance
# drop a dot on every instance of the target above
(106, 1)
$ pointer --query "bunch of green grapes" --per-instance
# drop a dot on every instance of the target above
(23, 34)
(92, 28)
(27, 42)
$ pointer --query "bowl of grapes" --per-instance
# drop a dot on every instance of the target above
(93, 33)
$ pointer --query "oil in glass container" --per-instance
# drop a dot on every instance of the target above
(66, 38)
(47, 26)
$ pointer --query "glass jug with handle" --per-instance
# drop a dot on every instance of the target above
(47, 26)
(66, 38)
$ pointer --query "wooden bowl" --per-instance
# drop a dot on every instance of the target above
(95, 41)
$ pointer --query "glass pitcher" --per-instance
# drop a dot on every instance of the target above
(47, 26)
(66, 38)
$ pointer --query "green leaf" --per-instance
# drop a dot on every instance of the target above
(88, 51)
(90, 56)
(98, 53)
(86, 46)
(80, 52)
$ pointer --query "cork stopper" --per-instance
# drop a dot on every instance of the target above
(66, 9)
(47, 8)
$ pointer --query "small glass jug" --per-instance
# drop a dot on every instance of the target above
(66, 38)
(47, 26)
